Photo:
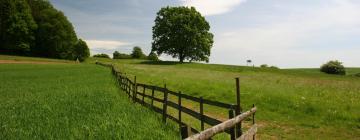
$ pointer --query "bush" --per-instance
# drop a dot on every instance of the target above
(333, 67)
(152, 56)
(137, 53)
(264, 66)
(117, 55)
(102, 55)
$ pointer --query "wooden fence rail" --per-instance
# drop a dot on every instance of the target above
(137, 92)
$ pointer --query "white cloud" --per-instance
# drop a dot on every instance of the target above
(286, 40)
(212, 7)
(105, 44)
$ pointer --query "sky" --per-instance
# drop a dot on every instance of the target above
(287, 34)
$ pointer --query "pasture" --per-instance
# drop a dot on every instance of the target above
(292, 103)
(71, 101)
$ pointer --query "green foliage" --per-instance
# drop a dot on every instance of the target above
(357, 75)
(183, 33)
(72, 101)
(17, 27)
(81, 50)
(333, 67)
(102, 55)
(117, 55)
(35, 27)
(152, 56)
(264, 66)
(137, 53)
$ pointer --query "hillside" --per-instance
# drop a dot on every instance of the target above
(70, 101)
(292, 103)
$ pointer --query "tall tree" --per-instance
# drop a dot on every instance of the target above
(55, 36)
(183, 33)
(81, 50)
(16, 27)
(137, 53)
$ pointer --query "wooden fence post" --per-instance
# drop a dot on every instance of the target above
(202, 113)
(232, 130)
(253, 122)
(143, 97)
(134, 90)
(185, 132)
(165, 104)
(238, 107)
(179, 103)
(152, 96)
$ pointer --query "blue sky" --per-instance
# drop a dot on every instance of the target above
(288, 34)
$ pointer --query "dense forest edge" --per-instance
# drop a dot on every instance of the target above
(36, 28)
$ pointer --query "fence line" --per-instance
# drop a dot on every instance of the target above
(132, 87)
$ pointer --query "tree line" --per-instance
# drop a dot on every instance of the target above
(136, 53)
(36, 28)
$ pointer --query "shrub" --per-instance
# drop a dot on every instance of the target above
(152, 56)
(264, 66)
(102, 55)
(333, 67)
(117, 55)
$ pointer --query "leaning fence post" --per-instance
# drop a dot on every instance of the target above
(134, 89)
(202, 113)
(165, 103)
(232, 130)
(238, 107)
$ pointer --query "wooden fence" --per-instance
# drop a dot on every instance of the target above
(137, 93)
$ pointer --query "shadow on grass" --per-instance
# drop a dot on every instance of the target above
(162, 62)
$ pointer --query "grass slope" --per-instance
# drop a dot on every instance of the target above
(293, 104)
(69, 101)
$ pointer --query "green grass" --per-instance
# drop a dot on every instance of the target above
(71, 101)
(292, 103)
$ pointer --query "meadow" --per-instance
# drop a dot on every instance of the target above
(292, 103)
(71, 101)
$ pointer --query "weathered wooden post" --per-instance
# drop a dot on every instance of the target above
(143, 97)
(232, 130)
(238, 107)
(179, 107)
(253, 121)
(134, 90)
(185, 131)
(152, 96)
(202, 113)
(165, 103)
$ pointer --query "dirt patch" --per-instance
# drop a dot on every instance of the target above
(29, 62)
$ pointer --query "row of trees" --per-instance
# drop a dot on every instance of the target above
(136, 53)
(36, 28)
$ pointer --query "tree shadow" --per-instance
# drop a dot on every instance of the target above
(161, 63)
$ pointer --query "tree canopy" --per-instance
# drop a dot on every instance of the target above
(35, 27)
(183, 33)
(137, 53)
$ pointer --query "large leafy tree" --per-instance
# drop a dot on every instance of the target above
(81, 50)
(17, 27)
(183, 33)
(55, 36)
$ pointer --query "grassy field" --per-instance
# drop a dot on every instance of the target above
(71, 101)
(292, 103)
